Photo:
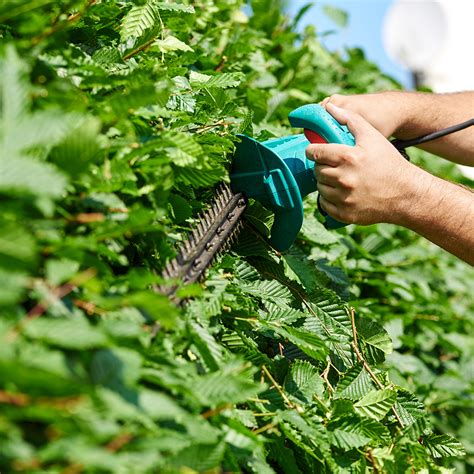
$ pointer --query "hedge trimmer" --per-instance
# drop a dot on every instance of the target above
(277, 174)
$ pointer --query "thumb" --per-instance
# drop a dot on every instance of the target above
(357, 125)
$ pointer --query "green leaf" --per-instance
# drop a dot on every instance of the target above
(409, 408)
(170, 44)
(81, 144)
(200, 457)
(376, 403)
(441, 446)
(376, 341)
(138, 20)
(224, 80)
(59, 271)
(282, 315)
(12, 286)
(28, 175)
(329, 317)
(207, 346)
(174, 7)
(260, 218)
(270, 291)
(351, 432)
(304, 381)
(75, 333)
(338, 16)
(355, 384)
(17, 243)
(309, 343)
(228, 385)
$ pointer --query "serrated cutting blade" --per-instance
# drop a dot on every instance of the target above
(213, 233)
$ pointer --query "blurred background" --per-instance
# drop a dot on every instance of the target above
(421, 43)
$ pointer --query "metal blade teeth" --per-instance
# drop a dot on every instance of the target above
(214, 232)
(187, 246)
(226, 190)
(208, 218)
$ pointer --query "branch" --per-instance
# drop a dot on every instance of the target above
(59, 26)
(60, 292)
(138, 50)
(279, 389)
(366, 366)
(215, 411)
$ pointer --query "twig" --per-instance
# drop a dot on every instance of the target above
(366, 366)
(221, 65)
(279, 389)
(57, 294)
(265, 427)
(58, 26)
(215, 411)
(118, 442)
(324, 375)
(10, 398)
(267, 413)
(60, 292)
(370, 456)
(138, 50)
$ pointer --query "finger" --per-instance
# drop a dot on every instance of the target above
(327, 206)
(328, 192)
(325, 101)
(330, 154)
(356, 124)
(333, 194)
(327, 174)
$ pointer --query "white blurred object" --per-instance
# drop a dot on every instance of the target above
(434, 38)
(414, 33)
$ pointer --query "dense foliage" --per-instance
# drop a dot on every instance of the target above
(348, 353)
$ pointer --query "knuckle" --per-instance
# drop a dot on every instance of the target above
(344, 215)
(347, 182)
(349, 157)
(348, 201)
(340, 214)
(337, 99)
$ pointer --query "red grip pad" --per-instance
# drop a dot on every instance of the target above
(313, 137)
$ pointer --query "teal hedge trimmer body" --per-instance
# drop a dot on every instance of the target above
(277, 173)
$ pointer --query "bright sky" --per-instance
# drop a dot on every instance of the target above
(364, 30)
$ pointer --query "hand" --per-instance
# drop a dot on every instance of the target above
(386, 111)
(366, 183)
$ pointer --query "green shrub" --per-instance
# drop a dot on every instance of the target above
(348, 353)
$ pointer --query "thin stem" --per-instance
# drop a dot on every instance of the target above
(138, 50)
(279, 389)
(60, 25)
(366, 366)
(215, 411)
(324, 375)
(265, 427)
(60, 292)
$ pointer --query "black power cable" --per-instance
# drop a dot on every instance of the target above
(400, 145)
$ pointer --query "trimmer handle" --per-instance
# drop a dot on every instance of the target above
(321, 127)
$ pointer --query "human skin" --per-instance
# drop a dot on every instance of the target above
(407, 115)
(371, 182)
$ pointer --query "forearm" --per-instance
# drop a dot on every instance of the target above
(422, 113)
(440, 211)
(408, 115)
